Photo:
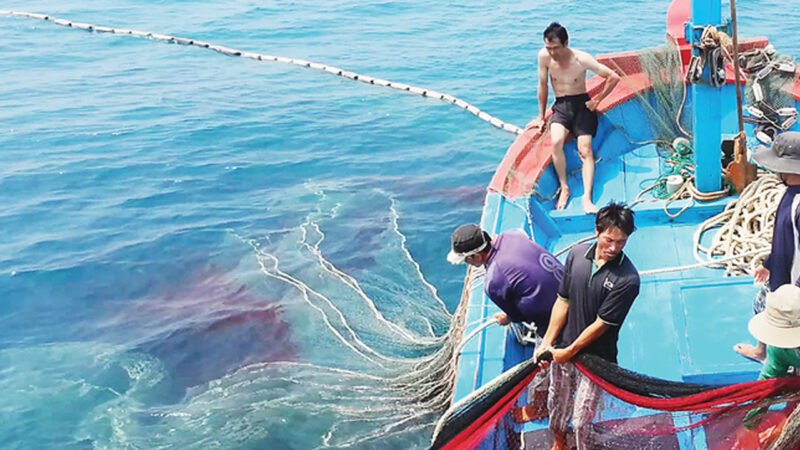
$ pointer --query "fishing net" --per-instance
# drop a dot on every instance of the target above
(664, 103)
(376, 344)
(633, 411)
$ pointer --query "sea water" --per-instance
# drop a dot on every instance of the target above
(200, 251)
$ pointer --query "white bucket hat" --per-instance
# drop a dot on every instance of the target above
(779, 324)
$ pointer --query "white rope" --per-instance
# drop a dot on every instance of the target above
(421, 91)
(475, 332)
(353, 284)
(578, 242)
(710, 263)
(745, 228)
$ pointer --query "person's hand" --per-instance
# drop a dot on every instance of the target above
(537, 354)
(501, 318)
(561, 355)
(592, 104)
(535, 123)
(761, 275)
(541, 349)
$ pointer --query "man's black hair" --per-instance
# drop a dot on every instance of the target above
(617, 215)
(489, 240)
(556, 31)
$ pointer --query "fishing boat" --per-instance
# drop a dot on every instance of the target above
(688, 316)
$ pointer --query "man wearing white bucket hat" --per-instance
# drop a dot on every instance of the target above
(779, 328)
(782, 266)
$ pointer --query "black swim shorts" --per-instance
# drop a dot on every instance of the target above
(571, 111)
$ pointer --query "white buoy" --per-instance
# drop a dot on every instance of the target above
(299, 62)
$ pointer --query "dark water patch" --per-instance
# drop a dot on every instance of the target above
(200, 353)
(203, 326)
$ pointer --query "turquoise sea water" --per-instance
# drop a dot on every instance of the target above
(199, 251)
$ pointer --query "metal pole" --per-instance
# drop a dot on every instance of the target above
(707, 127)
(736, 67)
(740, 172)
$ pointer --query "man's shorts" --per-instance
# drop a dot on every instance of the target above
(571, 112)
(760, 301)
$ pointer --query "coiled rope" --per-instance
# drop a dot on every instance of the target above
(687, 191)
(745, 228)
(679, 162)
(423, 92)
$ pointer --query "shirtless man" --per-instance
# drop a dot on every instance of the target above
(574, 111)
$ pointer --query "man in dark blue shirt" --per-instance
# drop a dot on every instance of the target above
(782, 266)
(599, 286)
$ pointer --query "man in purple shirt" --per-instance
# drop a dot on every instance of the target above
(522, 278)
(782, 266)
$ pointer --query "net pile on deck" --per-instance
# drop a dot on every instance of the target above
(635, 412)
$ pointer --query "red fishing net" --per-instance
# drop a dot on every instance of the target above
(632, 411)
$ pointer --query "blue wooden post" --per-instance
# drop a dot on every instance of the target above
(707, 118)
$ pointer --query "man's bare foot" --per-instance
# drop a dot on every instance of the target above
(588, 206)
(750, 352)
(528, 413)
(563, 198)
